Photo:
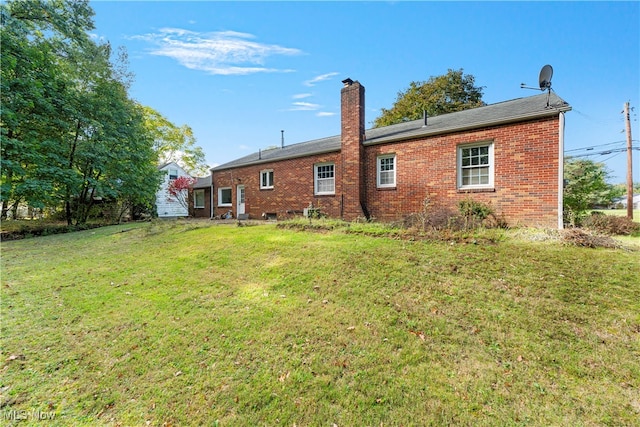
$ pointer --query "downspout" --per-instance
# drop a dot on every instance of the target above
(561, 171)
(211, 202)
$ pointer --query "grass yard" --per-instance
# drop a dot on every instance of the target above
(178, 323)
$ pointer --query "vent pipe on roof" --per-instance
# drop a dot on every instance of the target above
(259, 154)
(281, 139)
(424, 118)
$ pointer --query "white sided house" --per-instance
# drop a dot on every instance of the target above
(167, 206)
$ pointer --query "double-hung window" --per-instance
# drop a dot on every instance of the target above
(266, 179)
(173, 174)
(224, 196)
(198, 199)
(324, 181)
(386, 176)
(475, 166)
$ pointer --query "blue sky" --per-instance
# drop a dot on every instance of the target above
(240, 72)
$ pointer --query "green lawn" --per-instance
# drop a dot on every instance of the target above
(179, 323)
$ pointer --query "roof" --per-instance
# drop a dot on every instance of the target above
(516, 110)
(203, 182)
(167, 164)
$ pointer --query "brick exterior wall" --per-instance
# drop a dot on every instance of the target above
(293, 188)
(525, 188)
(525, 178)
(202, 212)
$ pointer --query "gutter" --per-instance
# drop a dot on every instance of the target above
(211, 202)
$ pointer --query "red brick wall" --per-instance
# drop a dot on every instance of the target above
(525, 174)
(525, 178)
(292, 191)
(206, 211)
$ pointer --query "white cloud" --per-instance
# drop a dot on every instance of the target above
(319, 79)
(223, 52)
(304, 106)
(325, 114)
(301, 95)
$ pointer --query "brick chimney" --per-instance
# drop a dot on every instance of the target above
(353, 179)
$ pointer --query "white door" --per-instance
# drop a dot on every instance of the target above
(240, 199)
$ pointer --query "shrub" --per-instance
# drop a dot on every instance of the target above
(609, 224)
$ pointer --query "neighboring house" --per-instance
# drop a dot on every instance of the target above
(167, 206)
(202, 200)
(509, 155)
(622, 202)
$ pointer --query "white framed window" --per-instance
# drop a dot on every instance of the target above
(324, 178)
(266, 179)
(198, 199)
(224, 196)
(475, 166)
(386, 166)
(173, 174)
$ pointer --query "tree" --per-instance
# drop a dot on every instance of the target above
(70, 133)
(175, 143)
(448, 93)
(179, 189)
(585, 188)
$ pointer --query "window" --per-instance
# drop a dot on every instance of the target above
(324, 182)
(198, 199)
(224, 196)
(266, 179)
(173, 174)
(387, 170)
(475, 166)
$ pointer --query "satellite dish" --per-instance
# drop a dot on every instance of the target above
(545, 77)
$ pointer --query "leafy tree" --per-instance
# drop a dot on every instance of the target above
(448, 93)
(179, 189)
(585, 188)
(175, 143)
(70, 133)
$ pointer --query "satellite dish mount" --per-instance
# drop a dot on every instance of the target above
(544, 81)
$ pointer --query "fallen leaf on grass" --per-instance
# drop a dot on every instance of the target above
(283, 377)
(419, 334)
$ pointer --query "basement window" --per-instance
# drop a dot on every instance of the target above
(324, 181)
(475, 166)
(224, 196)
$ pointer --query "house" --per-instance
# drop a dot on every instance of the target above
(509, 155)
(167, 206)
(202, 200)
(621, 202)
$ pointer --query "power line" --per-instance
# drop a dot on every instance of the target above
(600, 145)
(603, 153)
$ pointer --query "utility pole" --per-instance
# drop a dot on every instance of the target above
(627, 120)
